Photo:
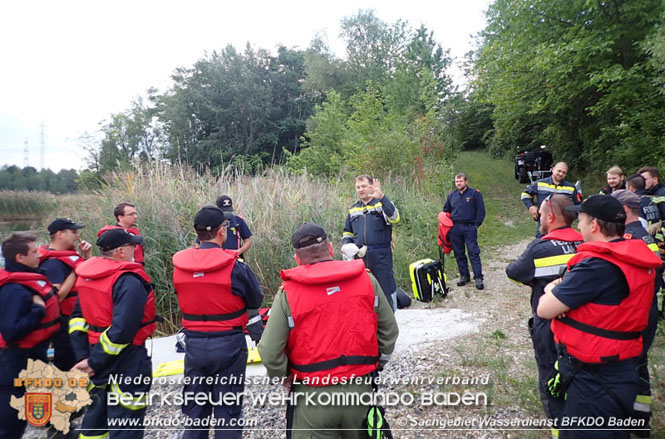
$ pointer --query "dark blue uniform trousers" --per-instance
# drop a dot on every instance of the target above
(546, 355)
(216, 356)
(461, 235)
(133, 362)
(64, 357)
(379, 261)
(643, 409)
(12, 362)
(589, 396)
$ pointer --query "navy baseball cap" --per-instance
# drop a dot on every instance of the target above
(602, 207)
(114, 238)
(308, 234)
(225, 203)
(210, 218)
(60, 224)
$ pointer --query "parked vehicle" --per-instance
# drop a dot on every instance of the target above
(533, 165)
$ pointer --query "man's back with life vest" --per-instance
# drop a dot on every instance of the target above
(329, 321)
(217, 294)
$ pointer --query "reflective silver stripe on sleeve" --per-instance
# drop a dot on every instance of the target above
(291, 322)
(552, 270)
(254, 319)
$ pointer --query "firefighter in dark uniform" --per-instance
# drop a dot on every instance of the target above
(648, 210)
(467, 211)
(126, 218)
(541, 263)
(534, 194)
(238, 235)
(634, 230)
(368, 233)
(29, 316)
(599, 310)
(113, 317)
(58, 260)
(654, 188)
(215, 291)
(329, 321)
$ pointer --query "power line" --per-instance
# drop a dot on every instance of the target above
(26, 157)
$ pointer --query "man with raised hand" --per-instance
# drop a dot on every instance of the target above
(59, 259)
(368, 233)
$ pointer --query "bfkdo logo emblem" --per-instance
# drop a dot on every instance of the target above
(38, 408)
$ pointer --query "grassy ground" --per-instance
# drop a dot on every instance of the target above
(507, 221)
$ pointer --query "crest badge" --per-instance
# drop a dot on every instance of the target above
(38, 408)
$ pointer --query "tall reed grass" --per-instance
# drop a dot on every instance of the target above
(273, 204)
(22, 205)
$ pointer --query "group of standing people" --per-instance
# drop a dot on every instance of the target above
(594, 299)
(99, 311)
(593, 303)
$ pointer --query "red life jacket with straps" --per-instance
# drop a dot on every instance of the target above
(95, 281)
(70, 258)
(138, 250)
(40, 285)
(445, 224)
(334, 321)
(595, 333)
(202, 280)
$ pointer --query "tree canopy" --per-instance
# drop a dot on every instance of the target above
(576, 76)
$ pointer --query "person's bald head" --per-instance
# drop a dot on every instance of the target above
(553, 213)
(559, 172)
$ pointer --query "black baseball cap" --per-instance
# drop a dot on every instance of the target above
(225, 203)
(308, 234)
(210, 218)
(602, 207)
(114, 238)
(59, 224)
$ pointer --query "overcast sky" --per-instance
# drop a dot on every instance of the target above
(70, 64)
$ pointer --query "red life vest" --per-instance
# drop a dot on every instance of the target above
(445, 224)
(334, 321)
(138, 250)
(70, 258)
(40, 285)
(202, 280)
(95, 281)
(595, 333)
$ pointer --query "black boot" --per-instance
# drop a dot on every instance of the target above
(479, 284)
(463, 281)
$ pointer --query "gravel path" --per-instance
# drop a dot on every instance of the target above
(492, 362)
